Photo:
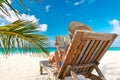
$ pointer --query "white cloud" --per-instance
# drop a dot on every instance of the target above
(11, 13)
(47, 8)
(29, 17)
(116, 29)
(67, 1)
(14, 17)
(116, 26)
(68, 14)
(43, 27)
(78, 3)
(90, 20)
(83, 1)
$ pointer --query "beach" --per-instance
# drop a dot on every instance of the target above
(26, 67)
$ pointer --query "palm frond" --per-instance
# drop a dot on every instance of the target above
(4, 9)
(13, 36)
(20, 3)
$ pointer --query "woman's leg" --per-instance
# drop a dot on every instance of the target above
(57, 60)
(51, 59)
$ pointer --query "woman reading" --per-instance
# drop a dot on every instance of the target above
(59, 55)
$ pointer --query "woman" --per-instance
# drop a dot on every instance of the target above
(58, 56)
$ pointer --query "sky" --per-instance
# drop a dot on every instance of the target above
(54, 16)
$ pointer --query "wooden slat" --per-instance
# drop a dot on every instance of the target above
(50, 68)
(87, 54)
(95, 54)
(107, 46)
(97, 36)
(67, 70)
(83, 65)
(78, 61)
(82, 52)
(102, 47)
(69, 55)
(102, 51)
(91, 51)
(78, 51)
(87, 51)
(96, 50)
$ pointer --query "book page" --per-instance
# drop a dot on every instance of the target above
(63, 40)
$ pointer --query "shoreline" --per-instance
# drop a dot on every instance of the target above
(26, 66)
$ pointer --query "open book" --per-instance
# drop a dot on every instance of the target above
(63, 40)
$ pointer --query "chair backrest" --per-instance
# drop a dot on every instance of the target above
(86, 47)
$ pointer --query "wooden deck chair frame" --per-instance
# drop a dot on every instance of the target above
(83, 56)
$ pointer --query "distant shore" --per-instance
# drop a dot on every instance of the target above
(26, 66)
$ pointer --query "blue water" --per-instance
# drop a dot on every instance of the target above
(50, 49)
(114, 49)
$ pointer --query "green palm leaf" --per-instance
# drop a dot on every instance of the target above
(19, 35)
(6, 2)
(4, 9)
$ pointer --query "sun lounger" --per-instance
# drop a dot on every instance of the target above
(82, 57)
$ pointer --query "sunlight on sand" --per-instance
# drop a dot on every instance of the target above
(26, 67)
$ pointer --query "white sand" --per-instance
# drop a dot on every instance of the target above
(26, 67)
(110, 65)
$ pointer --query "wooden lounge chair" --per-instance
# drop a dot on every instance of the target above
(82, 57)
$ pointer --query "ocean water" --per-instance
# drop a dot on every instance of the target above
(114, 48)
(36, 50)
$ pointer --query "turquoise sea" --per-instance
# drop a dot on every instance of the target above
(114, 48)
(50, 49)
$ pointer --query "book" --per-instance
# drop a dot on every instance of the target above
(63, 41)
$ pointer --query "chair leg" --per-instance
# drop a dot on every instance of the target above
(49, 77)
(94, 77)
(73, 74)
(99, 72)
(41, 69)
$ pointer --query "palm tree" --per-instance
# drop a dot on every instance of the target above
(21, 34)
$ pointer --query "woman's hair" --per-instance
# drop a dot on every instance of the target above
(73, 26)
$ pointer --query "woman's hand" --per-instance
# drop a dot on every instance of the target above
(61, 53)
(57, 45)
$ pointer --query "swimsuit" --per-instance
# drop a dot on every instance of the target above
(60, 63)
